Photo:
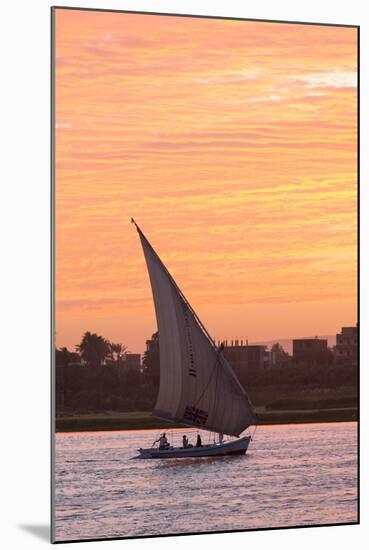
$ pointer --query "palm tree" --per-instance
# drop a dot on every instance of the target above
(118, 349)
(63, 357)
(93, 349)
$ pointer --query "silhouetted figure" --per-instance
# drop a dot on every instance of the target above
(163, 442)
(185, 441)
(198, 441)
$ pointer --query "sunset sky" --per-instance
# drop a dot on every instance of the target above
(233, 145)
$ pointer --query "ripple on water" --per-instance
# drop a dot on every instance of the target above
(292, 475)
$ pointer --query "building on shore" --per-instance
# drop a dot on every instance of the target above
(278, 356)
(151, 358)
(346, 348)
(310, 351)
(243, 357)
(131, 361)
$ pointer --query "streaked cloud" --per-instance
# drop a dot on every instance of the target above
(233, 144)
(337, 79)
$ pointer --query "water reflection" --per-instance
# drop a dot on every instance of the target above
(291, 475)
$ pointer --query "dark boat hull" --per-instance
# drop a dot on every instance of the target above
(229, 448)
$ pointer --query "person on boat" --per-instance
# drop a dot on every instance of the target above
(163, 442)
(185, 441)
(198, 441)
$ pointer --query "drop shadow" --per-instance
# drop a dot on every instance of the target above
(40, 531)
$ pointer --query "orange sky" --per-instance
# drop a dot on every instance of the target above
(233, 145)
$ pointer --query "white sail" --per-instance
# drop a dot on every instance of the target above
(197, 385)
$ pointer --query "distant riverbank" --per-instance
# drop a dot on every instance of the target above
(143, 420)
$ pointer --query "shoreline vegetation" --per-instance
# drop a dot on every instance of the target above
(97, 388)
(144, 420)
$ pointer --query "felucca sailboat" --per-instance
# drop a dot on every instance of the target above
(198, 387)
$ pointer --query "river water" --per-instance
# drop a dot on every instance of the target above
(291, 475)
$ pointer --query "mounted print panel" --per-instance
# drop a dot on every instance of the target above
(205, 182)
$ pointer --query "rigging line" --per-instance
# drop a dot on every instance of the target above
(253, 435)
(215, 391)
(207, 384)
